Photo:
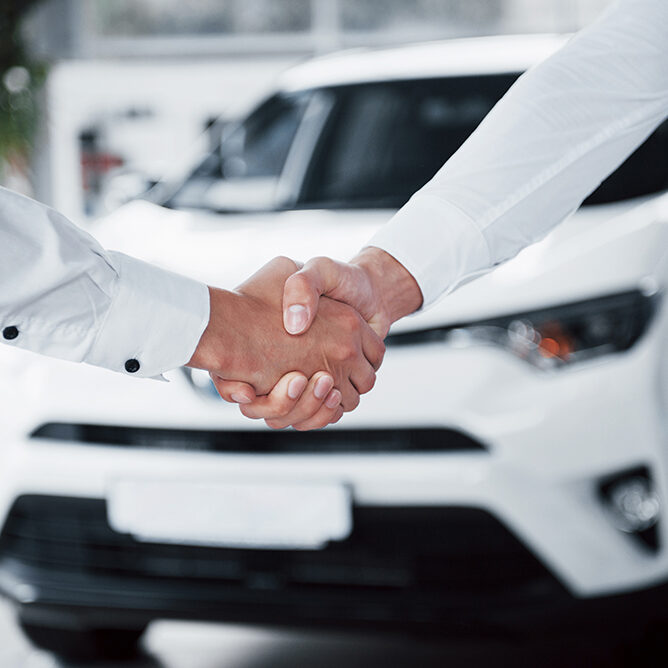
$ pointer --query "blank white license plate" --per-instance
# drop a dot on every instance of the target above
(235, 514)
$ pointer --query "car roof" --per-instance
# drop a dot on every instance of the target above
(456, 57)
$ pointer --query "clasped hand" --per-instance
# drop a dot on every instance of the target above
(307, 380)
(303, 344)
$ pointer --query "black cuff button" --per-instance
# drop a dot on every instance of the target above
(10, 333)
(132, 366)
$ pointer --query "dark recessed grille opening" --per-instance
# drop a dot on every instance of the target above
(432, 558)
(327, 441)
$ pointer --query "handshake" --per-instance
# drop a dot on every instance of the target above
(297, 347)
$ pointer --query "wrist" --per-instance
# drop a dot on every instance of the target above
(395, 288)
(217, 344)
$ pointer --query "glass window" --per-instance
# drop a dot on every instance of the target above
(645, 172)
(465, 17)
(244, 173)
(427, 16)
(130, 27)
(385, 141)
(199, 17)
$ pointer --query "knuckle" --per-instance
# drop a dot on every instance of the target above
(320, 262)
(345, 351)
(352, 320)
(323, 270)
(218, 363)
(376, 357)
(300, 282)
(352, 403)
(368, 383)
(284, 263)
(300, 288)
(309, 426)
(248, 411)
(282, 407)
(337, 352)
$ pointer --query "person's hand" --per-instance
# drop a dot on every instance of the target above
(376, 285)
(294, 401)
(245, 339)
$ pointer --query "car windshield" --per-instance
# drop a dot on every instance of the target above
(384, 141)
(245, 172)
(375, 145)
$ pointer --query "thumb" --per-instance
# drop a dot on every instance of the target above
(302, 291)
(233, 391)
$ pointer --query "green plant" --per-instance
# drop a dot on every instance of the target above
(20, 78)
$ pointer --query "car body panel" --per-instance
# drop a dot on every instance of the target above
(458, 57)
(578, 259)
(547, 437)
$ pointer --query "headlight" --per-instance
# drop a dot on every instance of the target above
(554, 337)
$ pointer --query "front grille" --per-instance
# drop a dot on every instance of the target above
(327, 441)
(399, 563)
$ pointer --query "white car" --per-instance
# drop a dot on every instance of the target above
(509, 466)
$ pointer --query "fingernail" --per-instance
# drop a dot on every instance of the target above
(322, 387)
(240, 398)
(296, 386)
(334, 399)
(295, 318)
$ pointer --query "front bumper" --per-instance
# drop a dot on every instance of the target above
(456, 571)
(405, 565)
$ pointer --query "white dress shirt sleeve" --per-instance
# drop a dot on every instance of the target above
(63, 295)
(558, 132)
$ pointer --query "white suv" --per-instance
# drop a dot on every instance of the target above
(510, 465)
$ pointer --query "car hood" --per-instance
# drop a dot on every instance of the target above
(599, 250)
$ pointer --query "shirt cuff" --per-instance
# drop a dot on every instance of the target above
(437, 243)
(154, 323)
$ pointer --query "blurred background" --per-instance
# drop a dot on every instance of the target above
(534, 475)
(94, 89)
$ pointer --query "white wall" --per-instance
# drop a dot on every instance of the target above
(182, 95)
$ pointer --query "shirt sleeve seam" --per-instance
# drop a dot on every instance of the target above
(555, 169)
(468, 218)
(107, 315)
